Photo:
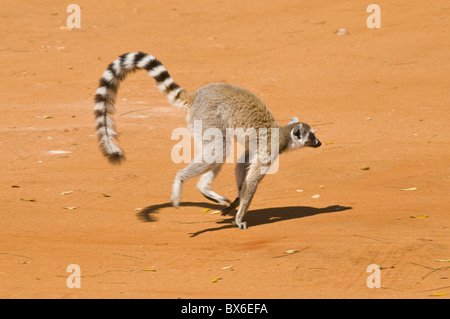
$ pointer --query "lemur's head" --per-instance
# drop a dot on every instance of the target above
(302, 135)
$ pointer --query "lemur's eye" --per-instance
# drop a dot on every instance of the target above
(296, 132)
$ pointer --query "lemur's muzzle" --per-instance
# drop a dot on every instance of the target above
(316, 144)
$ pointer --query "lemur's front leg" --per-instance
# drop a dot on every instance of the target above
(247, 191)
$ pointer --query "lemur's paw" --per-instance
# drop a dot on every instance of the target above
(240, 225)
(243, 225)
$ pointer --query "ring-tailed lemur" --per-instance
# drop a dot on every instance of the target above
(220, 106)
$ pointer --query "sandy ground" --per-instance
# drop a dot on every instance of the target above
(378, 99)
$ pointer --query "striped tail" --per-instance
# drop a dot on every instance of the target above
(106, 95)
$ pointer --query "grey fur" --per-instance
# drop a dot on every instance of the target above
(220, 106)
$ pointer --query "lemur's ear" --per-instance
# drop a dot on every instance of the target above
(293, 120)
(297, 131)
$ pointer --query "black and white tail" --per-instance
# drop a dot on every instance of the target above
(106, 95)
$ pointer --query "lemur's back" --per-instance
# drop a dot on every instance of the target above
(222, 105)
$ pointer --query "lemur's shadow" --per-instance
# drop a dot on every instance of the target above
(148, 213)
(253, 217)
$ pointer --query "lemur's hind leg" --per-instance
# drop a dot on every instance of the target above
(192, 170)
(207, 165)
(204, 185)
